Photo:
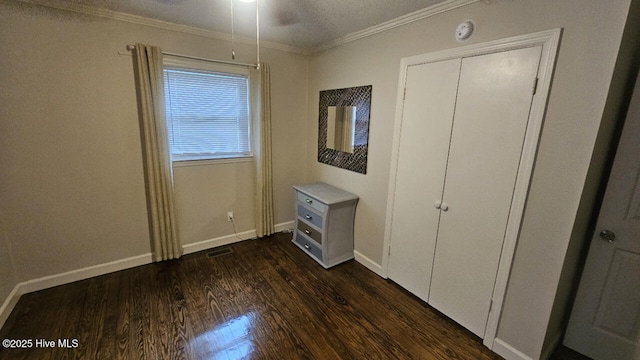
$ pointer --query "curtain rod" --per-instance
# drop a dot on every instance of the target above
(255, 66)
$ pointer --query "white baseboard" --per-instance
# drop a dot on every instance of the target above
(101, 269)
(230, 239)
(285, 226)
(219, 241)
(8, 305)
(369, 264)
(507, 351)
(68, 277)
(84, 273)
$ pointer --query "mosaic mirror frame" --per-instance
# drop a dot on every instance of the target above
(360, 97)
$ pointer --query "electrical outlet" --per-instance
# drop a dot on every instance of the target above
(230, 216)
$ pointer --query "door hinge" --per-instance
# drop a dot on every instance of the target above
(389, 252)
(490, 304)
(535, 86)
(404, 95)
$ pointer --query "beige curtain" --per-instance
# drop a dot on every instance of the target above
(165, 243)
(262, 153)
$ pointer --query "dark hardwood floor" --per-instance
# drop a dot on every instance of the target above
(266, 300)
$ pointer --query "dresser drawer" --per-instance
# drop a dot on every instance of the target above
(311, 202)
(310, 216)
(306, 229)
(324, 222)
(308, 246)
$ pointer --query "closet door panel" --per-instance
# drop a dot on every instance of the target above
(426, 128)
(491, 116)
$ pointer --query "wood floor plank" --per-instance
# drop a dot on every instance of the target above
(392, 327)
(336, 310)
(309, 322)
(196, 295)
(171, 314)
(121, 317)
(143, 335)
(286, 318)
(397, 320)
(265, 300)
(226, 305)
(92, 324)
(265, 317)
(272, 325)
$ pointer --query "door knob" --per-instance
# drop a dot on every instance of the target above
(437, 204)
(444, 207)
(607, 235)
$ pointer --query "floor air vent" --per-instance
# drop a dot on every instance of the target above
(220, 252)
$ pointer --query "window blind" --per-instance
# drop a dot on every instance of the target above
(207, 114)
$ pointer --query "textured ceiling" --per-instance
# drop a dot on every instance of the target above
(302, 24)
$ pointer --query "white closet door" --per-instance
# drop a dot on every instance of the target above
(424, 141)
(492, 110)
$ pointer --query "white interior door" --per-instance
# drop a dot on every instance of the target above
(426, 128)
(605, 321)
(492, 111)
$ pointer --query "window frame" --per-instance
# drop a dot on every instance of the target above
(193, 64)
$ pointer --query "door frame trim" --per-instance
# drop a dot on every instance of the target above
(550, 41)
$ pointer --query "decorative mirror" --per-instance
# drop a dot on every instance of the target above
(343, 134)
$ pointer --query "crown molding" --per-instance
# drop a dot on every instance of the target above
(388, 25)
(166, 25)
(160, 24)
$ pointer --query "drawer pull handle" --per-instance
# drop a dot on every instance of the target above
(306, 231)
(308, 217)
(306, 246)
(309, 201)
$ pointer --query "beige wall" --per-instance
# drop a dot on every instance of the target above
(7, 272)
(626, 69)
(70, 147)
(72, 188)
(72, 184)
(584, 70)
(204, 194)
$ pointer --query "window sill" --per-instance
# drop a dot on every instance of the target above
(231, 160)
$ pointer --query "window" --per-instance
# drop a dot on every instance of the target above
(207, 109)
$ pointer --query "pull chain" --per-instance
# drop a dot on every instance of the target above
(257, 36)
(233, 50)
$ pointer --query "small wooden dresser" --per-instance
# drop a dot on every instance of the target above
(324, 222)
